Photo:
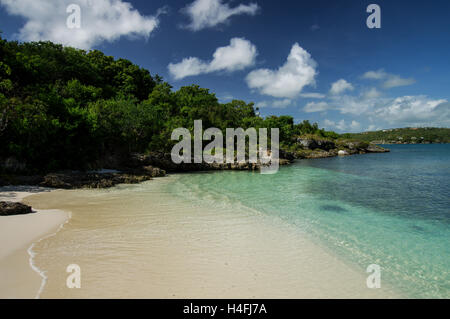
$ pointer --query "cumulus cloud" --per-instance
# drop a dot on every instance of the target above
(209, 13)
(236, 56)
(101, 20)
(355, 126)
(289, 80)
(276, 104)
(312, 95)
(342, 126)
(331, 125)
(388, 80)
(341, 86)
(316, 107)
(356, 105)
(416, 110)
(371, 93)
(372, 128)
(281, 104)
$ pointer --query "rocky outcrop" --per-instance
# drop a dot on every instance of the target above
(164, 160)
(310, 148)
(73, 180)
(312, 144)
(143, 167)
(91, 180)
(9, 209)
(373, 148)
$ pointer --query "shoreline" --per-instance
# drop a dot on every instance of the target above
(185, 252)
(55, 208)
(19, 277)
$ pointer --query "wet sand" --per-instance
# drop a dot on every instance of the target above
(140, 241)
(17, 233)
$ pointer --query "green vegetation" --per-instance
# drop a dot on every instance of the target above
(63, 108)
(404, 135)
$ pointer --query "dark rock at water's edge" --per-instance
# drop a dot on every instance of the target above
(138, 168)
(310, 148)
(312, 144)
(10, 209)
(90, 180)
(164, 160)
(74, 180)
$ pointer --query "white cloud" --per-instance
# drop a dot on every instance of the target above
(375, 75)
(396, 81)
(236, 56)
(418, 110)
(371, 93)
(354, 125)
(312, 95)
(289, 80)
(316, 107)
(355, 105)
(101, 20)
(341, 86)
(276, 104)
(262, 104)
(342, 126)
(209, 13)
(331, 125)
(281, 104)
(389, 80)
(415, 110)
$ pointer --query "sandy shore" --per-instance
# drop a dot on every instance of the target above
(18, 279)
(140, 242)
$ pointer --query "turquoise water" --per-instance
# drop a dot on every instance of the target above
(388, 209)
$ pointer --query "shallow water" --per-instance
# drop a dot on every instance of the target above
(309, 231)
(155, 240)
(387, 209)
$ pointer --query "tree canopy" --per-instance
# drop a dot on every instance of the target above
(64, 108)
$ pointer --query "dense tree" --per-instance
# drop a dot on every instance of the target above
(62, 107)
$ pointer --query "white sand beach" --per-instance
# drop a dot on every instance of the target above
(17, 233)
(137, 241)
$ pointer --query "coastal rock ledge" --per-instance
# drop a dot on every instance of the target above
(10, 209)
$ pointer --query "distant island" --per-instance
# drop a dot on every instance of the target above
(409, 135)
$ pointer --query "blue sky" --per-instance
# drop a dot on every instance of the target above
(340, 73)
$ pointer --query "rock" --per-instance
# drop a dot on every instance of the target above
(372, 148)
(305, 143)
(71, 180)
(313, 144)
(342, 153)
(148, 171)
(154, 171)
(286, 155)
(9, 209)
(164, 160)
